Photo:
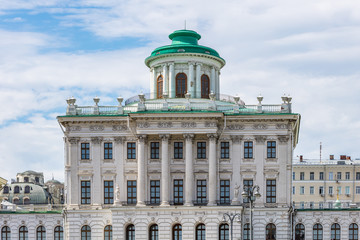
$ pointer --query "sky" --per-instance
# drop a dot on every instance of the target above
(53, 49)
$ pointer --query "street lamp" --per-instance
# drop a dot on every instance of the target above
(231, 217)
(250, 194)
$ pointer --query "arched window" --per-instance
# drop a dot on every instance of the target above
(317, 232)
(26, 179)
(159, 86)
(177, 232)
(26, 201)
(181, 85)
(86, 233)
(108, 232)
(23, 233)
(154, 232)
(58, 233)
(270, 231)
(246, 231)
(16, 189)
(200, 232)
(335, 231)
(205, 86)
(41, 233)
(5, 233)
(27, 189)
(6, 189)
(16, 201)
(130, 232)
(224, 232)
(353, 231)
(300, 232)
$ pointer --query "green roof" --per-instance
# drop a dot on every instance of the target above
(184, 41)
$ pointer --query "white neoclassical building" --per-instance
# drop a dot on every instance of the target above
(171, 163)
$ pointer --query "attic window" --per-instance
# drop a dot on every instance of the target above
(207, 52)
(181, 50)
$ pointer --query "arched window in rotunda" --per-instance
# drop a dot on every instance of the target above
(159, 86)
(205, 86)
(181, 84)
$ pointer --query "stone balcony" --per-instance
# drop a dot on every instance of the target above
(226, 104)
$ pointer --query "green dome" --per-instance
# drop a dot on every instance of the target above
(183, 41)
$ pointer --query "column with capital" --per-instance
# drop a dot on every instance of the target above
(259, 157)
(198, 80)
(119, 163)
(212, 169)
(71, 169)
(165, 79)
(141, 177)
(153, 83)
(171, 80)
(189, 170)
(165, 171)
(190, 87)
(96, 162)
(217, 83)
(212, 80)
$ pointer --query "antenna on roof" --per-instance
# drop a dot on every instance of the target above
(185, 24)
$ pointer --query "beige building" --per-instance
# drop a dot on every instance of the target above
(317, 184)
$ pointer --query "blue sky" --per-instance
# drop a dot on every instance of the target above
(52, 49)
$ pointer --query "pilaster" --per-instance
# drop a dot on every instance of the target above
(189, 170)
(120, 192)
(171, 80)
(141, 177)
(198, 80)
(96, 191)
(212, 169)
(165, 171)
(190, 86)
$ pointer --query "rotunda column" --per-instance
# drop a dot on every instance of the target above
(212, 80)
(189, 170)
(190, 87)
(217, 84)
(165, 79)
(171, 80)
(198, 80)
(153, 82)
(212, 169)
(141, 178)
(165, 171)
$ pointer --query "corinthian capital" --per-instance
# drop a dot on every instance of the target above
(73, 140)
(189, 137)
(164, 137)
(212, 136)
(141, 138)
(96, 140)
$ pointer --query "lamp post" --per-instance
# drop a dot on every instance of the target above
(251, 193)
(231, 217)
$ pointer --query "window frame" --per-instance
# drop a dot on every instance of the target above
(248, 149)
(154, 191)
(248, 184)
(270, 231)
(108, 150)
(154, 150)
(85, 151)
(5, 233)
(353, 231)
(58, 233)
(180, 83)
(201, 150)
(178, 193)
(335, 231)
(159, 86)
(85, 192)
(224, 231)
(200, 232)
(201, 191)
(271, 149)
(85, 230)
(312, 176)
(108, 232)
(318, 232)
(271, 194)
(178, 150)
(177, 232)
(108, 192)
(23, 233)
(130, 232)
(131, 150)
(224, 150)
(224, 191)
(131, 195)
(40, 230)
(299, 231)
(154, 232)
(205, 86)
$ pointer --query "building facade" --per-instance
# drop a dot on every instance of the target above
(169, 164)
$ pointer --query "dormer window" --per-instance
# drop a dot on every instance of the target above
(36, 179)
(26, 179)
(159, 86)
(17, 189)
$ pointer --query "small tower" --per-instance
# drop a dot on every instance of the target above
(184, 67)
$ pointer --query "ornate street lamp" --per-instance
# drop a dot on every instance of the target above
(251, 193)
(231, 217)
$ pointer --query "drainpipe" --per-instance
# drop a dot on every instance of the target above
(354, 177)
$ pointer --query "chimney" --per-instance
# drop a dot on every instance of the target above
(342, 157)
(331, 157)
(301, 158)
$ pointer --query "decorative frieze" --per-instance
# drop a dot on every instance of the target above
(119, 128)
(282, 126)
(235, 127)
(210, 124)
(188, 125)
(73, 128)
(165, 125)
(143, 125)
(97, 128)
(260, 126)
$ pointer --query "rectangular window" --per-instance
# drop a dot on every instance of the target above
(311, 175)
(331, 177)
(357, 189)
(178, 150)
(330, 190)
(201, 150)
(225, 149)
(178, 192)
(338, 176)
(311, 205)
(347, 190)
(248, 184)
(347, 175)
(108, 151)
(302, 190)
(293, 176)
(224, 191)
(154, 191)
(302, 176)
(321, 190)
(271, 191)
(271, 149)
(201, 191)
(293, 190)
(155, 149)
(85, 192)
(131, 150)
(85, 150)
(131, 192)
(358, 176)
(108, 192)
(302, 205)
(321, 205)
(312, 190)
(339, 190)
(321, 176)
(248, 149)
